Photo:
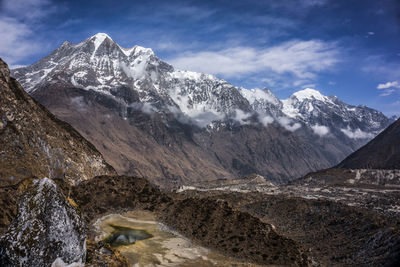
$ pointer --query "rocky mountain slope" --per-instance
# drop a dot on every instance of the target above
(149, 119)
(382, 152)
(35, 143)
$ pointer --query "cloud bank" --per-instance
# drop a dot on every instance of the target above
(301, 59)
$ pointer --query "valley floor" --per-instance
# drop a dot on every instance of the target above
(342, 225)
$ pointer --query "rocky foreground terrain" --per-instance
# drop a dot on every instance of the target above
(267, 228)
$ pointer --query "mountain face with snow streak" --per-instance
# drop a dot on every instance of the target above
(101, 65)
(192, 121)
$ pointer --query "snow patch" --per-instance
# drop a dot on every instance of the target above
(256, 94)
(288, 108)
(98, 39)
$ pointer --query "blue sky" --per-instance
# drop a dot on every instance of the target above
(349, 48)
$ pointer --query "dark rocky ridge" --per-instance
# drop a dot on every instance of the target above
(34, 143)
(383, 152)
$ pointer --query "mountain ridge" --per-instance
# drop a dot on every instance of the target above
(193, 103)
(180, 113)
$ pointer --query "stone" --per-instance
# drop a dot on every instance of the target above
(47, 227)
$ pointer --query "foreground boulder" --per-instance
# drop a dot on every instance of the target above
(47, 228)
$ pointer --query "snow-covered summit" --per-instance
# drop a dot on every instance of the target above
(100, 64)
(98, 39)
(309, 93)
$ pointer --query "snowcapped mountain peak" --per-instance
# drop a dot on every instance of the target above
(101, 65)
(100, 37)
(309, 93)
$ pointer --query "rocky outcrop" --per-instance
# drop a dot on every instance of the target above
(34, 143)
(46, 228)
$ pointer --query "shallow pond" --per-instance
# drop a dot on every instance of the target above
(144, 242)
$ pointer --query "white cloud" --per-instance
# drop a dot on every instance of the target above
(18, 23)
(145, 107)
(388, 88)
(379, 66)
(79, 103)
(288, 124)
(265, 119)
(301, 59)
(28, 9)
(357, 133)
(314, 2)
(388, 85)
(388, 92)
(15, 41)
(320, 129)
(241, 116)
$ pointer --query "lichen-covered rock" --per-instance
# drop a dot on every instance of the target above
(46, 227)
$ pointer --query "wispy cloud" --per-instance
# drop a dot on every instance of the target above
(380, 67)
(388, 88)
(387, 85)
(304, 60)
(28, 9)
(18, 21)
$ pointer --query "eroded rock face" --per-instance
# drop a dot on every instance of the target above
(35, 143)
(47, 227)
